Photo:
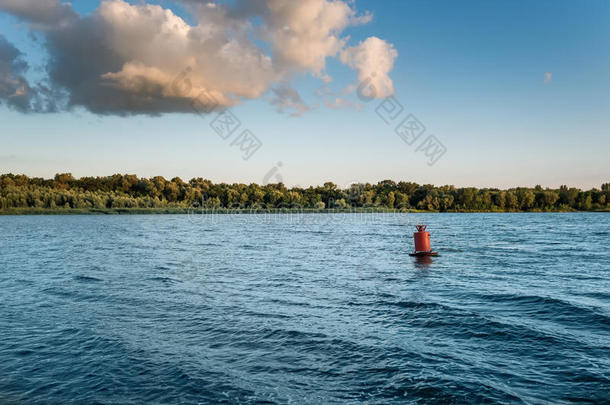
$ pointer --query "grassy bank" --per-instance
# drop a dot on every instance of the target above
(91, 211)
(194, 211)
(221, 211)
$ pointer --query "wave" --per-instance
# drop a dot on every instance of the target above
(87, 279)
(468, 324)
(167, 280)
(549, 308)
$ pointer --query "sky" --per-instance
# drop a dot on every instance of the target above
(483, 93)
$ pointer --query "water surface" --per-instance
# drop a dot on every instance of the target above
(324, 309)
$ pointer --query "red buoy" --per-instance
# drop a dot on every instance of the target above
(422, 242)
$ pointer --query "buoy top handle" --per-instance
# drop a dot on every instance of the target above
(421, 228)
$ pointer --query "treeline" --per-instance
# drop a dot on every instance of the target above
(129, 191)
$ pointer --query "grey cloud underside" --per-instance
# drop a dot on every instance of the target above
(287, 98)
(15, 91)
(78, 62)
(11, 80)
(39, 11)
(128, 59)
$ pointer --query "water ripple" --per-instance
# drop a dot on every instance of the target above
(232, 309)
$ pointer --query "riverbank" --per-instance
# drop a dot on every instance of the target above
(116, 194)
(225, 211)
(193, 211)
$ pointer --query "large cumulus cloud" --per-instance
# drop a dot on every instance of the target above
(141, 58)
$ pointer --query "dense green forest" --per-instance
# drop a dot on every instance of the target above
(64, 192)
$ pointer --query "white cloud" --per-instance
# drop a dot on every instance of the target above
(304, 33)
(374, 59)
(141, 58)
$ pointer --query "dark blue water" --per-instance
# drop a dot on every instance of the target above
(327, 309)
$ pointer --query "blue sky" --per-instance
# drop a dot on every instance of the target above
(472, 72)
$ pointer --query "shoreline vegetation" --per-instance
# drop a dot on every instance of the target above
(129, 194)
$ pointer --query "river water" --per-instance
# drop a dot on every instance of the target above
(319, 308)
